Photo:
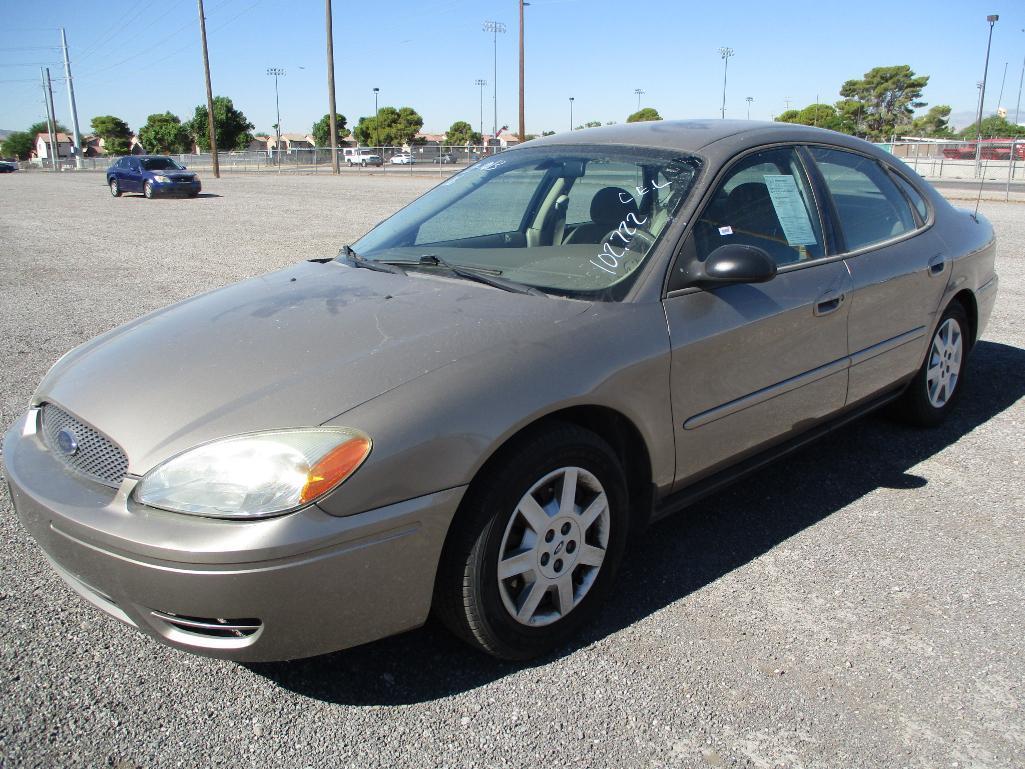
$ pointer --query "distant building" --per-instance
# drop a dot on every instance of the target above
(292, 142)
(42, 150)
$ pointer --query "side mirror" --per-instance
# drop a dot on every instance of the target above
(733, 263)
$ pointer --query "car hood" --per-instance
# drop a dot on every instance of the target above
(289, 349)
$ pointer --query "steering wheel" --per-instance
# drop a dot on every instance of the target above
(631, 253)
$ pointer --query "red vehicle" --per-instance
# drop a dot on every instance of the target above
(992, 149)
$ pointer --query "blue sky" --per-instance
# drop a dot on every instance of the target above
(427, 55)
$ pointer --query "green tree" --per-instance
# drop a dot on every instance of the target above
(994, 127)
(821, 115)
(41, 128)
(18, 145)
(461, 133)
(164, 132)
(933, 123)
(116, 135)
(887, 97)
(643, 115)
(548, 133)
(232, 127)
(589, 124)
(322, 130)
(389, 128)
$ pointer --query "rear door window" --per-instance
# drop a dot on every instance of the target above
(868, 204)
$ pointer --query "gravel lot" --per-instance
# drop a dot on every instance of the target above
(858, 605)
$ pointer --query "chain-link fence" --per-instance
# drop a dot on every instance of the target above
(415, 159)
(993, 159)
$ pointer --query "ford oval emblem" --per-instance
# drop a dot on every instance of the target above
(67, 443)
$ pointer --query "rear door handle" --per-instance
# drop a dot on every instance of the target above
(829, 303)
(937, 264)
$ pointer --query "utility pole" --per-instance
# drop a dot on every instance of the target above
(726, 53)
(77, 148)
(494, 27)
(571, 113)
(1021, 80)
(992, 19)
(523, 125)
(639, 92)
(51, 120)
(209, 95)
(333, 120)
(749, 99)
(1000, 98)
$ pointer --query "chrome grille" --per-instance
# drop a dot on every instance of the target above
(97, 457)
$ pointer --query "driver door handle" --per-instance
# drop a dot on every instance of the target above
(829, 303)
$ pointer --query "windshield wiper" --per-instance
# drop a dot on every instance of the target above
(480, 275)
(370, 264)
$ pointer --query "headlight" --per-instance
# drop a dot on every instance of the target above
(161, 179)
(258, 475)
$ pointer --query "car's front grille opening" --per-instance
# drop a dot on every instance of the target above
(81, 448)
(211, 627)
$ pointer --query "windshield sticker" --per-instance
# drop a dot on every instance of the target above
(793, 216)
(491, 165)
(727, 230)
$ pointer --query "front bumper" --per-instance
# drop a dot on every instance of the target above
(274, 589)
(176, 188)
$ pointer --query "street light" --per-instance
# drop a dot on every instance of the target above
(725, 53)
(749, 99)
(571, 113)
(277, 72)
(494, 27)
(482, 84)
(992, 19)
(1021, 80)
(377, 120)
(640, 92)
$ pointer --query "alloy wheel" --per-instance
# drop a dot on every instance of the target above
(944, 366)
(553, 546)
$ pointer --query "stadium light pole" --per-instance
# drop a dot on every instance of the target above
(725, 53)
(1021, 79)
(992, 19)
(749, 99)
(494, 27)
(481, 83)
(640, 93)
(571, 113)
(276, 72)
(377, 121)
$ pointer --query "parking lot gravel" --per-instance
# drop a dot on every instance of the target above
(858, 604)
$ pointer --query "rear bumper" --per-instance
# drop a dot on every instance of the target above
(281, 588)
(985, 298)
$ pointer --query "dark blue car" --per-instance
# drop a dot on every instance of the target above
(151, 175)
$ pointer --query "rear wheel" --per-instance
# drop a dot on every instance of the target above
(536, 545)
(938, 383)
(147, 190)
(115, 188)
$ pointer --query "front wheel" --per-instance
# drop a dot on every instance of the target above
(536, 545)
(147, 190)
(938, 383)
(115, 188)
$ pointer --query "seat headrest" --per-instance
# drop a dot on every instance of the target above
(608, 208)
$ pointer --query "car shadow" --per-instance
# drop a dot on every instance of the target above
(684, 553)
(140, 196)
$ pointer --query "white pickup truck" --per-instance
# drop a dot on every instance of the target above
(359, 156)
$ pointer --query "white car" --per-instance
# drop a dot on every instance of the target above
(402, 159)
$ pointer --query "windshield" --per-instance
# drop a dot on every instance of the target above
(572, 220)
(160, 164)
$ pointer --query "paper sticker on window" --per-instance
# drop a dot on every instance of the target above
(726, 230)
(793, 216)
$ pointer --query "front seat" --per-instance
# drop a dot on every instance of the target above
(607, 212)
(751, 215)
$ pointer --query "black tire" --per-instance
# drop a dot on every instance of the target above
(115, 188)
(469, 597)
(363, 163)
(147, 190)
(923, 404)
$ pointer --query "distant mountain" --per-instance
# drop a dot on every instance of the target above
(4, 133)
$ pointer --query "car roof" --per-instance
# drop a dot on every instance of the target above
(709, 137)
